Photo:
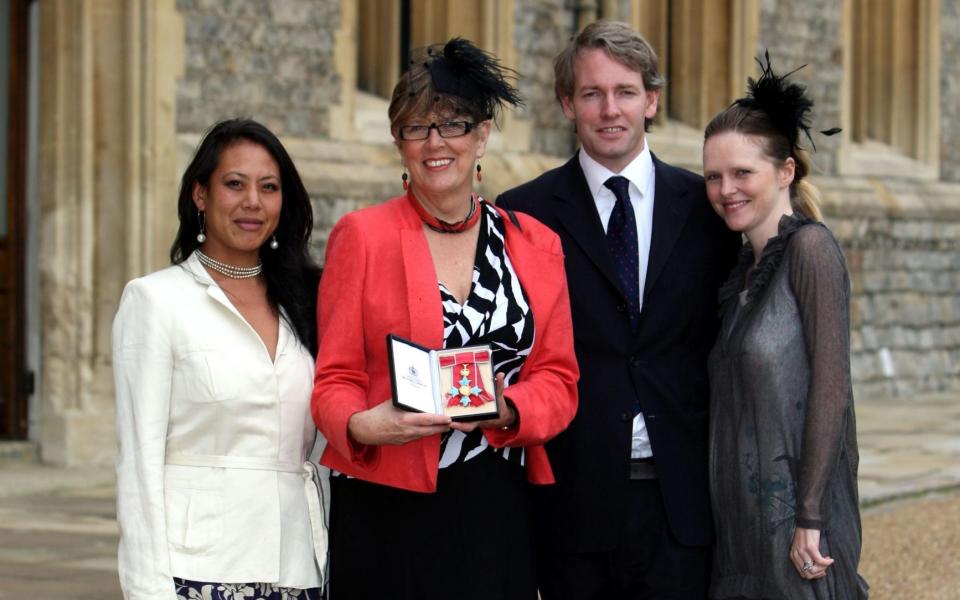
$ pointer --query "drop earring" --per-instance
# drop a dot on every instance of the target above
(479, 176)
(404, 179)
(201, 237)
(274, 244)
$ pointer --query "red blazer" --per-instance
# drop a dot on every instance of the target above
(378, 279)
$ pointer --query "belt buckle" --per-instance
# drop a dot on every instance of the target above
(642, 469)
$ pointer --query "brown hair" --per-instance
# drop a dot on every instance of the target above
(804, 196)
(622, 43)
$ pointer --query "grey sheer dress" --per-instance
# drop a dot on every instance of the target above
(783, 448)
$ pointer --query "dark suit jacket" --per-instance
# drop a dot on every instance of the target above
(662, 366)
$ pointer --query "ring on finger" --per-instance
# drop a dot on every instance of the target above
(807, 566)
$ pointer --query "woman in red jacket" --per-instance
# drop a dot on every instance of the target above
(424, 507)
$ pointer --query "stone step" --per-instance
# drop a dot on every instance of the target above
(18, 453)
(370, 119)
(305, 151)
(677, 144)
(337, 187)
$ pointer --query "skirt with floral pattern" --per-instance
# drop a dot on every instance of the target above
(202, 590)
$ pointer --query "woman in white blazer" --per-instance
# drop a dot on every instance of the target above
(217, 494)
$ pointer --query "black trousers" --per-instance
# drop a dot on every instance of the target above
(472, 539)
(648, 563)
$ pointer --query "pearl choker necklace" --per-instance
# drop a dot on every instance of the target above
(229, 270)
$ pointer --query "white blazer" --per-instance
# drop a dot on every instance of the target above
(214, 478)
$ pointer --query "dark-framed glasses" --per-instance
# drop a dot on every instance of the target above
(450, 129)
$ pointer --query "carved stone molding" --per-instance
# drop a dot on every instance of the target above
(107, 191)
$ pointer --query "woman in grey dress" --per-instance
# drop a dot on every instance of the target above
(783, 450)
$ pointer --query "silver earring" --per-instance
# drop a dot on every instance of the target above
(274, 244)
(201, 237)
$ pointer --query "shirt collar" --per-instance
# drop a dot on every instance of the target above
(639, 171)
(193, 266)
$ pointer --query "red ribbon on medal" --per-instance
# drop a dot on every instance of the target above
(467, 389)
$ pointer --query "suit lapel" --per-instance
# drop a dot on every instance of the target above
(577, 214)
(423, 294)
(192, 265)
(671, 207)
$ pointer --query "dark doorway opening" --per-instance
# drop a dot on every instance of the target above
(15, 382)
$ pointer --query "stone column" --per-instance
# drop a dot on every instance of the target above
(950, 91)
(107, 189)
(66, 192)
(345, 64)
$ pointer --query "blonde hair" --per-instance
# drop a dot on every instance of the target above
(804, 196)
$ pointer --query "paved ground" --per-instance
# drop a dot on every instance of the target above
(57, 543)
(911, 549)
(910, 449)
(908, 445)
(58, 533)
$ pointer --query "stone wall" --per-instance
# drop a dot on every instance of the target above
(798, 32)
(902, 243)
(541, 30)
(901, 237)
(271, 60)
(950, 90)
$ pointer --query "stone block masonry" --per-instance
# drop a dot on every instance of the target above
(949, 91)
(902, 244)
(269, 60)
(807, 32)
(542, 29)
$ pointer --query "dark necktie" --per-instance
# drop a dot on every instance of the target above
(622, 240)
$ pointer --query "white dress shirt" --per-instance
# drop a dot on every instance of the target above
(641, 175)
(214, 480)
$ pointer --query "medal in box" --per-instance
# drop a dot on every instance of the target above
(457, 382)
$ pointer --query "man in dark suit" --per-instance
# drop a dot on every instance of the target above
(630, 515)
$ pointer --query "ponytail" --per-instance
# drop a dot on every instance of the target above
(804, 196)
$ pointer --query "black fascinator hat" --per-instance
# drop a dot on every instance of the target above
(476, 77)
(785, 103)
(457, 78)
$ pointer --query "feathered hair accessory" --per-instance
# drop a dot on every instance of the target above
(785, 103)
(461, 69)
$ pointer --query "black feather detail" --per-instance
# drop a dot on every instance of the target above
(466, 71)
(785, 103)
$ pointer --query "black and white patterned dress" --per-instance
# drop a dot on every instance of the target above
(496, 312)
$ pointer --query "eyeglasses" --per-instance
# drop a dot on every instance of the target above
(450, 129)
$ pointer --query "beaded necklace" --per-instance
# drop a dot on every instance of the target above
(229, 270)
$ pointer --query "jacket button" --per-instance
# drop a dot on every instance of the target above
(621, 308)
(625, 416)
